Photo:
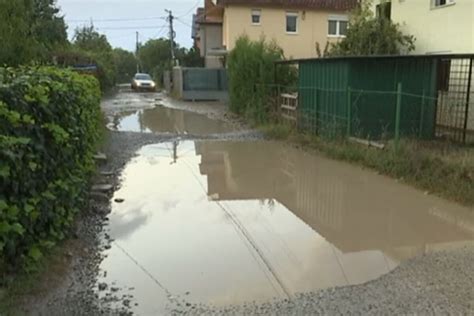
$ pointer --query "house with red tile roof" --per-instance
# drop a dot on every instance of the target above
(297, 26)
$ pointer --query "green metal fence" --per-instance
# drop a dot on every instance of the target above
(376, 115)
(368, 97)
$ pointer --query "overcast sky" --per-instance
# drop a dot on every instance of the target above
(144, 16)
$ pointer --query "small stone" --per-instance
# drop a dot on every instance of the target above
(119, 200)
(114, 289)
(98, 196)
(102, 286)
(126, 303)
(100, 157)
(102, 187)
(107, 247)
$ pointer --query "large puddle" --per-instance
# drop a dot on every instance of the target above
(230, 222)
(167, 120)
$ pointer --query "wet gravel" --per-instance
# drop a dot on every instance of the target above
(435, 284)
(438, 283)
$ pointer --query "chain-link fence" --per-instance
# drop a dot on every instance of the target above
(382, 98)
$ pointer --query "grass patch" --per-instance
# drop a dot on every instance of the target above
(442, 168)
(19, 289)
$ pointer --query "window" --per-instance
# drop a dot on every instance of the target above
(256, 14)
(292, 22)
(440, 3)
(337, 25)
(384, 10)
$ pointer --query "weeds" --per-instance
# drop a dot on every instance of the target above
(446, 170)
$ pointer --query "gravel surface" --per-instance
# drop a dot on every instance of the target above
(435, 284)
(438, 283)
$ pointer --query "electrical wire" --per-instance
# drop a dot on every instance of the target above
(190, 10)
(114, 20)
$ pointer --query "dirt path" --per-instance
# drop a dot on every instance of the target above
(207, 218)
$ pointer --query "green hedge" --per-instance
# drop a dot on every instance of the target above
(251, 71)
(49, 127)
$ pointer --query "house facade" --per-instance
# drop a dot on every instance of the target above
(208, 32)
(440, 26)
(297, 26)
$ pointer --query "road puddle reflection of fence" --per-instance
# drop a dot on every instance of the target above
(228, 222)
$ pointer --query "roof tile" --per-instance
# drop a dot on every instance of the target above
(308, 4)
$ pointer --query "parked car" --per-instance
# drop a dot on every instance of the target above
(143, 82)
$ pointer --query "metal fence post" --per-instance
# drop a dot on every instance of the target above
(349, 111)
(422, 115)
(398, 113)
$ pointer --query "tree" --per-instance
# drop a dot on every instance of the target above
(155, 57)
(126, 64)
(190, 57)
(370, 35)
(252, 77)
(96, 45)
(29, 31)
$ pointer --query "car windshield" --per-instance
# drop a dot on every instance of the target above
(142, 77)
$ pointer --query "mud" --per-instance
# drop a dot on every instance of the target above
(219, 223)
(206, 218)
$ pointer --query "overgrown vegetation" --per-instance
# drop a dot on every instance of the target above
(372, 35)
(441, 168)
(155, 57)
(96, 46)
(252, 77)
(126, 64)
(49, 126)
(30, 30)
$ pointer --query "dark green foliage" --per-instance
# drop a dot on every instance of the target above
(251, 71)
(190, 57)
(370, 35)
(29, 31)
(155, 57)
(126, 64)
(49, 126)
(94, 45)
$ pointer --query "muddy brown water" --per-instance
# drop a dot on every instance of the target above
(230, 222)
(168, 120)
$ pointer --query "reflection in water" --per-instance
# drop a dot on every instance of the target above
(167, 120)
(230, 222)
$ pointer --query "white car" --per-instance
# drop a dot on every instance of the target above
(143, 82)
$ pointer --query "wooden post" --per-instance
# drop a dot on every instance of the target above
(422, 115)
(398, 113)
(349, 111)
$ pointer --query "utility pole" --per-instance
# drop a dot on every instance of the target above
(136, 53)
(172, 35)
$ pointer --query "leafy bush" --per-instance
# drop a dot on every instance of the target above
(251, 72)
(370, 35)
(49, 126)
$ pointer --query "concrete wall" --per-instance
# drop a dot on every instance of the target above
(177, 82)
(211, 39)
(312, 28)
(195, 95)
(446, 29)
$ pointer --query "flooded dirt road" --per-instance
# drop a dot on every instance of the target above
(207, 218)
(231, 222)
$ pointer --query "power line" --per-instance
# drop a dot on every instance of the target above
(117, 28)
(184, 23)
(116, 20)
(190, 10)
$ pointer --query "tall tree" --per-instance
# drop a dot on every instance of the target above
(96, 45)
(155, 57)
(372, 35)
(126, 64)
(29, 30)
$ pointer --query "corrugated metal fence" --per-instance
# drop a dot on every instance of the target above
(388, 97)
